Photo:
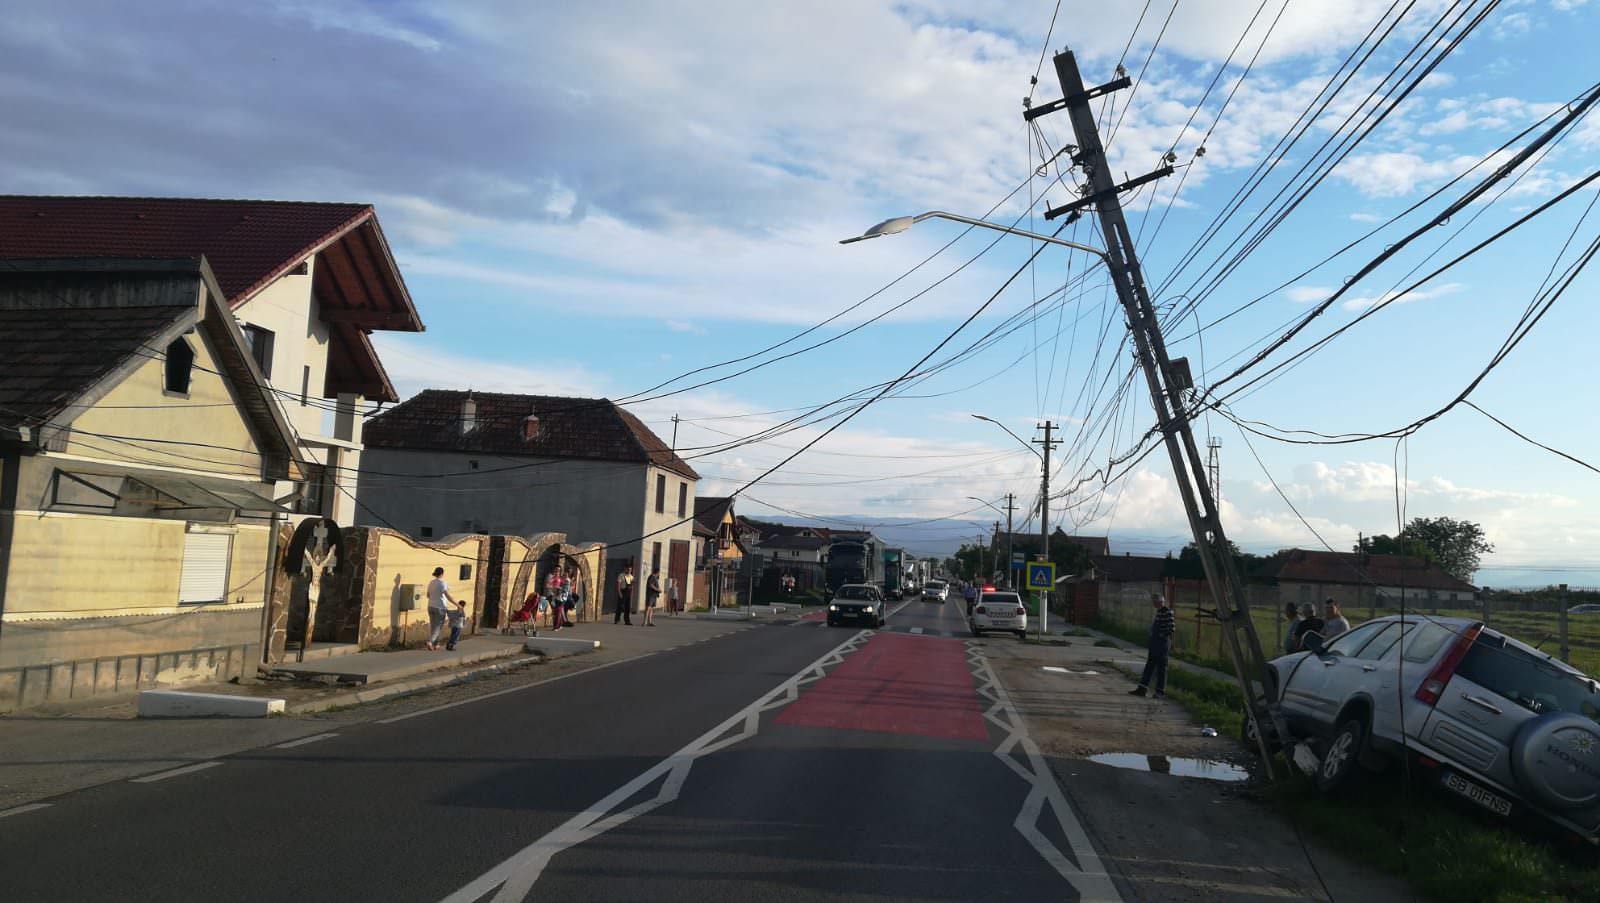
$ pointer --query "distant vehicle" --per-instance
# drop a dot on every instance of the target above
(999, 611)
(894, 573)
(857, 602)
(935, 591)
(1587, 608)
(854, 561)
(1491, 719)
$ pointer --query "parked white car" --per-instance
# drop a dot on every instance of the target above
(1493, 720)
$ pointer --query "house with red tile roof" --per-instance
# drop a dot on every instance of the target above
(308, 283)
(445, 462)
(1359, 580)
(140, 451)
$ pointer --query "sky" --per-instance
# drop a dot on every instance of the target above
(593, 199)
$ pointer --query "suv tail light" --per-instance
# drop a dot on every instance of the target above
(1433, 685)
(1021, 611)
(981, 610)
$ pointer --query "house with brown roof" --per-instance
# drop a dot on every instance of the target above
(445, 462)
(307, 282)
(1364, 580)
(140, 447)
(721, 553)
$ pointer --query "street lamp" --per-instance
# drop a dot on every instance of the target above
(1044, 507)
(902, 223)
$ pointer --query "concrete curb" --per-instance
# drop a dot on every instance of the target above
(559, 646)
(725, 616)
(184, 704)
(380, 692)
(332, 667)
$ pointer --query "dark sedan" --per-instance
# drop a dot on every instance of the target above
(857, 603)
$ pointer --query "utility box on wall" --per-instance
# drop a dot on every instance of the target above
(410, 594)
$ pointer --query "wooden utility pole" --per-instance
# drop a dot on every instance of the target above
(1167, 380)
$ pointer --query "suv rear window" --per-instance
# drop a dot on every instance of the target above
(1538, 686)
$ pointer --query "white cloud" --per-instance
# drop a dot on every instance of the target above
(1366, 217)
(685, 326)
(1393, 297)
(1513, 25)
(1305, 294)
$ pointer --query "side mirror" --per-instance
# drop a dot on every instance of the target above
(1313, 641)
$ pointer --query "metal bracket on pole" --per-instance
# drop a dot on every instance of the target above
(1113, 191)
(1090, 94)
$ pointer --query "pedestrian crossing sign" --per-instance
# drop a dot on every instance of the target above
(1041, 575)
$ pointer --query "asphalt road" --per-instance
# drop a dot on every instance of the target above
(783, 762)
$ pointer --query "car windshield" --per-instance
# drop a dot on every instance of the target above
(854, 592)
(1534, 684)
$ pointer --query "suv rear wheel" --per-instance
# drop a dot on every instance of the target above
(1342, 759)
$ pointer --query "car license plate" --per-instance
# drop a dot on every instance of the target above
(1492, 801)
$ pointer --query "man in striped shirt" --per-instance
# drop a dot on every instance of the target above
(1160, 648)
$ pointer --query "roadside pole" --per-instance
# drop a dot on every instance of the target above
(1168, 381)
(1011, 543)
(1044, 522)
(1562, 618)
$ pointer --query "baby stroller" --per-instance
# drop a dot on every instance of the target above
(527, 617)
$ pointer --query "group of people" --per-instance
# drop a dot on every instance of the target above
(653, 588)
(1302, 620)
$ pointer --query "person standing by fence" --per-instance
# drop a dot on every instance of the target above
(1159, 650)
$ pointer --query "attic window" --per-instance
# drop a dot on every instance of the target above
(530, 428)
(179, 367)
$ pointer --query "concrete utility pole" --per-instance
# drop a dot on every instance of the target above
(1011, 543)
(674, 433)
(996, 542)
(1167, 381)
(1044, 520)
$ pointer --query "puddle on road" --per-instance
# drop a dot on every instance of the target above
(1209, 769)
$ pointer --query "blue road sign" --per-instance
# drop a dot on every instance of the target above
(1041, 575)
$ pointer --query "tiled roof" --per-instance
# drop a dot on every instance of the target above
(53, 355)
(248, 243)
(772, 528)
(1094, 545)
(590, 428)
(1303, 566)
(710, 510)
(803, 543)
(1130, 568)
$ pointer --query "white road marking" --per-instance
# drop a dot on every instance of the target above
(916, 630)
(1055, 670)
(304, 740)
(516, 876)
(163, 775)
(538, 683)
(18, 810)
(1089, 876)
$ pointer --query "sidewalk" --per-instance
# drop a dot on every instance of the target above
(52, 750)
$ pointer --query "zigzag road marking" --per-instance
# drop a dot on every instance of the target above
(1088, 876)
(515, 877)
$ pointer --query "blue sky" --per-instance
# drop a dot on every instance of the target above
(592, 198)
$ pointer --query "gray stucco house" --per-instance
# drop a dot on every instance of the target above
(446, 462)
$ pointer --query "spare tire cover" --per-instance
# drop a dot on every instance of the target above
(1556, 759)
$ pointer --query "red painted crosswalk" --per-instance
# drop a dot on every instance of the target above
(896, 684)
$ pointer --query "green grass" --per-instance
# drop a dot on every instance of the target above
(1413, 831)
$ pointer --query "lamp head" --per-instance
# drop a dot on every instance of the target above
(887, 227)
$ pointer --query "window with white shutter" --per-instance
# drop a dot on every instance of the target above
(205, 567)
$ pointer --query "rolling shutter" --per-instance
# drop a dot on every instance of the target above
(205, 567)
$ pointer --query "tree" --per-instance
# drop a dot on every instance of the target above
(1457, 545)
(1383, 544)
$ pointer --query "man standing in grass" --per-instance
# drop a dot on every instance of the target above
(1159, 649)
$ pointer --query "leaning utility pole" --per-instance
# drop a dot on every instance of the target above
(1044, 520)
(1167, 379)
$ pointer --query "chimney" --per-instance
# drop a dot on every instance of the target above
(469, 414)
(530, 427)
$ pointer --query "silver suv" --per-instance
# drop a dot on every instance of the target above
(1493, 719)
